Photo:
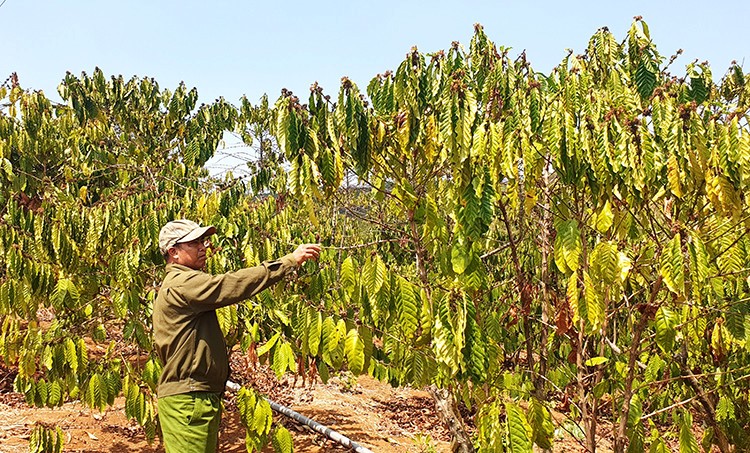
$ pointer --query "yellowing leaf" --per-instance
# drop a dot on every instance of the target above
(572, 296)
(604, 218)
(568, 246)
(354, 350)
(282, 440)
(673, 175)
(594, 302)
(672, 270)
(529, 200)
(459, 258)
(540, 420)
(604, 262)
(594, 361)
(625, 264)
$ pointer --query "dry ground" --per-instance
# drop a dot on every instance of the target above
(371, 413)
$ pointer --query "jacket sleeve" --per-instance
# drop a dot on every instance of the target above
(203, 292)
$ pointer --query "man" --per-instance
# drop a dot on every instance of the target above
(187, 336)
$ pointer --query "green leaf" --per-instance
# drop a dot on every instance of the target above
(323, 372)
(698, 91)
(572, 295)
(71, 355)
(673, 176)
(55, 394)
(94, 393)
(290, 357)
(658, 446)
(635, 425)
(269, 344)
(475, 351)
(47, 359)
(665, 321)
(688, 443)
(519, 430)
(314, 328)
(645, 79)
(82, 353)
(708, 439)
(282, 440)
(42, 391)
(262, 417)
(698, 258)
(365, 336)
(114, 385)
(349, 274)
(330, 336)
(408, 304)
(227, 317)
(725, 410)
(103, 393)
(653, 369)
(283, 359)
(131, 400)
(375, 273)
(624, 264)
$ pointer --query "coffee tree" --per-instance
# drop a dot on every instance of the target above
(580, 235)
(515, 242)
(86, 185)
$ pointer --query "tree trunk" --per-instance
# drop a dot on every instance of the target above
(446, 407)
(524, 289)
(444, 402)
(589, 418)
(621, 439)
(545, 246)
(708, 406)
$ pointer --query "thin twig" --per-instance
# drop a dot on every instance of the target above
(665, 409)
(360, 246)
(495, 251)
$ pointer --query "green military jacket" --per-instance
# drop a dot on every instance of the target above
(187, 335)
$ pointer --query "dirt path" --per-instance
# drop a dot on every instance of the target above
(371, 413)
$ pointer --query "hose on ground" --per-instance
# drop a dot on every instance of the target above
(315, 426)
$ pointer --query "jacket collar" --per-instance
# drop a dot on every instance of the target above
(173, 267)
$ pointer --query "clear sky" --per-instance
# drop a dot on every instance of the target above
(231, 48)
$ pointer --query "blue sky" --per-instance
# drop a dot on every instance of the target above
(245, 47)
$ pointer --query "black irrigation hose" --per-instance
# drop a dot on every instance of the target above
(317, 427)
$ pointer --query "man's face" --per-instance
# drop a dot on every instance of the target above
(191, 254)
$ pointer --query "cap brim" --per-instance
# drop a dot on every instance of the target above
(197, 233)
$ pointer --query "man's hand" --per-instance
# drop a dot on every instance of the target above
(305, 252)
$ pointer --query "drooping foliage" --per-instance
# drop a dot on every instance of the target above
(515, 240)
(580, 234)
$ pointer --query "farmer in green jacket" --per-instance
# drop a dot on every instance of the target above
(187, 336)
